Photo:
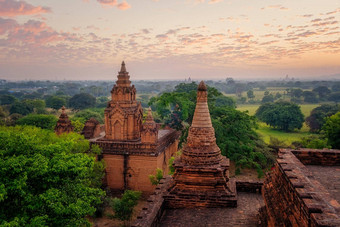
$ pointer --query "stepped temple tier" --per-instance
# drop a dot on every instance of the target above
(201, 177)
(63, 124)
(132, 150)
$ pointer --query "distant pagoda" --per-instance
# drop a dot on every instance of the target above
(201, 177)
(63, 124)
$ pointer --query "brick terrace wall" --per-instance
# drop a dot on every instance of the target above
(293, 197)
(326, 157)
(138, 169)
(249, 186)
(152, 212)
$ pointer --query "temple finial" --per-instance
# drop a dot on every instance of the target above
(123, 68)
(63, 110)
(149, 117)
(202, 86)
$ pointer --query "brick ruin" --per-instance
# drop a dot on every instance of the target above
(132, 150)
(201, 177)
(92, 129)
(63, 124)
(294, 196)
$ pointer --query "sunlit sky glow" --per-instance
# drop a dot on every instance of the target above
(169, 39)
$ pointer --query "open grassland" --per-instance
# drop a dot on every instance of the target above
(266, 132)
(288, 137)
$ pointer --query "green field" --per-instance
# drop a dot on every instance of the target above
(251, 108)
(266, 132)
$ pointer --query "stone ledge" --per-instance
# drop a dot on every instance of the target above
(293, 197)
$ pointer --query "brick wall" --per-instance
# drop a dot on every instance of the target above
(293, 197)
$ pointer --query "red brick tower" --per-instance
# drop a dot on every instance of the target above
(123, 115)
(63, 124)
(201, 176)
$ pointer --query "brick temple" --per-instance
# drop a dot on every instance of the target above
(201, 177)
(63, 124)
(132, 150)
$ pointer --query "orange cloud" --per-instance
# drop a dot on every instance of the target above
(108, 2)
(123, 6)
(12, 8)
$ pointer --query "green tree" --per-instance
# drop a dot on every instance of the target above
(282, 115)
(82, 101)
(310, 97)
(21, 108)
(334, 97)
(250, 94)
(322, 91)
(267, 98)
(332, 130)
(296, 92)
(46, 180)
(318, 116)
(39, 120)
(84, 115)
(7, 99)
(155, 179)
(123, 207)
(55, 102)
(237, 139)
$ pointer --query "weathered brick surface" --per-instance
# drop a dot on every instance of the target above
(293, 197)
(245, 215)
(326, 157)
(132, 150)
(201, 177)
(249, 186)
(152, 212)
(91, 129)
(63, 124)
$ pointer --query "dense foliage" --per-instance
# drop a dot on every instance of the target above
(123, 207)
(318, 116)
(332, 130)
(46, 180)
(282, 115)
(55, 102)
(234, 130)
(39, 120)
(82, 101)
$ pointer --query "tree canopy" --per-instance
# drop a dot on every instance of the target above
(318, 115)
(282, 115)
(39, 120)
(46, 180)
(234, 130)
(82, 101)
(332, 130)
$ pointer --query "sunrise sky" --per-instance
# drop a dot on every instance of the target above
(169, 39)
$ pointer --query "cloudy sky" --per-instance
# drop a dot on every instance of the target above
(169, 39)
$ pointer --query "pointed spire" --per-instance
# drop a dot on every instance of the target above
(201, 148)
(123, 69)
(149, 118)
(63, 110)
(202, 115)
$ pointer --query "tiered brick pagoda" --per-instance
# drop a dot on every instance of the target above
(132, 150)
(201, 177)
(63, 124)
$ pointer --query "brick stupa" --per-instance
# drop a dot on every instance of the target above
(201, 177)
(63, 124)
